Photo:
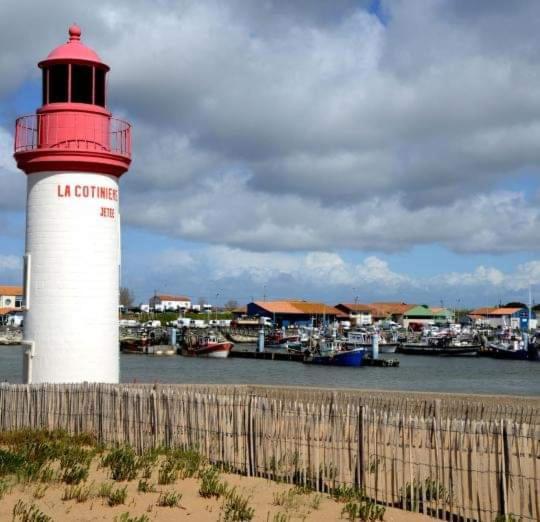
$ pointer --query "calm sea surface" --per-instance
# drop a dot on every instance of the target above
(421, 373)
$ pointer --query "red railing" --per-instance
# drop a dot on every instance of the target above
(72, 130)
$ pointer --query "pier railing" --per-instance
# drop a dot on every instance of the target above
(455, 458)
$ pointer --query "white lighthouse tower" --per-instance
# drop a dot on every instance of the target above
(73, 153)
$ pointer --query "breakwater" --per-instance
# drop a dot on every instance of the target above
(464, 457)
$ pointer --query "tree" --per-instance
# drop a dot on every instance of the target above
(126, 297)
(515, 304)
(231, 304)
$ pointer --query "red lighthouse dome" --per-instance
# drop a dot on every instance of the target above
(73, 129)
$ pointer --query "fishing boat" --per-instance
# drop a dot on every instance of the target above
(510, 349)
(335, 353)
(209, 346)
(364, 339)
(279, 339)
(444, 346)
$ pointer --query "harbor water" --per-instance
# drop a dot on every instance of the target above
(416, 373)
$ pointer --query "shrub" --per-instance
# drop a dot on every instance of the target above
(4, 488)
(117, 496)
(122, 462)
(365, 510)
(211, 485)
(80, 493)
(346, 494)
(145, 487)
(23, 512)
(75, 474)
(105, 489)
(169, 499)
(237, 509)
(168, 471)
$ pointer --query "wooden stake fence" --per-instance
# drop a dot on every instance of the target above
(468, 459)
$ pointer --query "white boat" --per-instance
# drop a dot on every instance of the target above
(364, 339)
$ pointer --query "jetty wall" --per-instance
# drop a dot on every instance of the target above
(454, 457)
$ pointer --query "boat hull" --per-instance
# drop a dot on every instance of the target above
(351, 358)
(444, 351)
(216, 351)
(502, 353)
(383, 348)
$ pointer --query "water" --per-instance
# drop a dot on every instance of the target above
(418, 373)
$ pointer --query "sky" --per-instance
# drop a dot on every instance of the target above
(330, 150)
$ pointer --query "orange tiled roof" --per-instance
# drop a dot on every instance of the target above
(356, 307)
(11, 290)
(486, 310)
(6, 310)
(505, 311)
(165, 297)
(384, 309)
(297, 307)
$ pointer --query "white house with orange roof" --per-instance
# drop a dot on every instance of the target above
(167, 302)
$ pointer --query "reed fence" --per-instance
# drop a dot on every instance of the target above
(451, 457)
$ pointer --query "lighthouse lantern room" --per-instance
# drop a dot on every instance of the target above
(73, 153)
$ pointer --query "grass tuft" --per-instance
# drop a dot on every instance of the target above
(169, 499)
(23, 512)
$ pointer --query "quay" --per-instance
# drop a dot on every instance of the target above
(298, 357)
(267, 355)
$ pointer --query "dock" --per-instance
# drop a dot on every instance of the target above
(299, 357)
(267, 355)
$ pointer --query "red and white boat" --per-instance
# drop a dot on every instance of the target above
(209, 346)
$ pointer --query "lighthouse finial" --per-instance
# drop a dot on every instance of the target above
(74, 32)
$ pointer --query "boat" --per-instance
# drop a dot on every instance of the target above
(278, 339)
(364, 339)
(508, 349)
(208, 346)
(444, 346)
(335, 353)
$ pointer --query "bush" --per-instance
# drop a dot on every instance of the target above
(169, 499)
(145, 487)
(237, 509)
(122, 462)
(117, 496)
(211, 485)
(29, 513)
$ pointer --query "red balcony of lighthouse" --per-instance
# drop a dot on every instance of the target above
(73, 130)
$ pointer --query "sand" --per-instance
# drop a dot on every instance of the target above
(192, 506)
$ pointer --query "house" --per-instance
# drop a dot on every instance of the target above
(419, 315)
(500, 317)
(294, 313)
(442, 315)
(11, 297)
(165, 302)
(359, 314)
(389, 311)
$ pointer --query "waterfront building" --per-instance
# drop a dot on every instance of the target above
(419, 315)
(73, 153)
(359, 314)
(11, 297)
(165, 302)
(295, 312)
(383, 311)
(500, 317)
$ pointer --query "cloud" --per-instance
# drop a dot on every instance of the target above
(9, 263)
(312, 126)
(328, 276)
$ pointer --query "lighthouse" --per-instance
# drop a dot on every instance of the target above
(73, 152)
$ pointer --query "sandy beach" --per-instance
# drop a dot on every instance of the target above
(261, 494)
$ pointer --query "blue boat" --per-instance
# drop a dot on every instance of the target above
(333, 353)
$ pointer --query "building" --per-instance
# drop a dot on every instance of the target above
(294, 313)
(166, 302)
(359, 314)
(389, 311)
(501, 317)
(418, 315)
(442, 315)
(11, 297)
(73, 153)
